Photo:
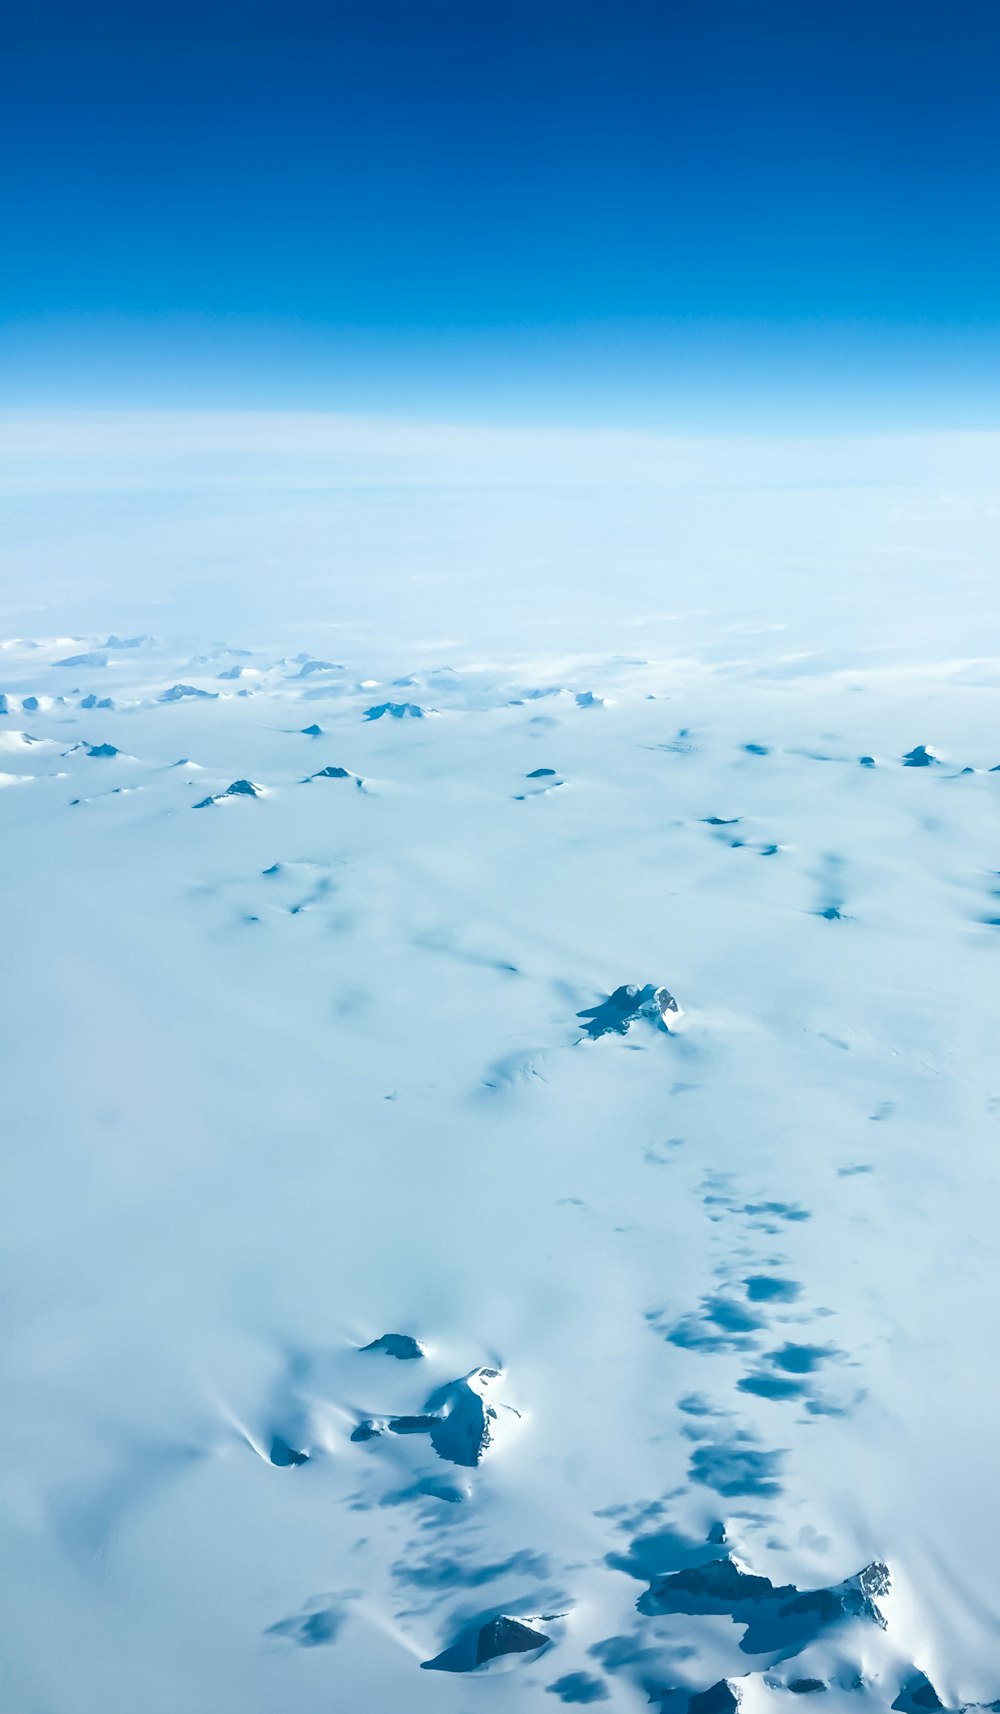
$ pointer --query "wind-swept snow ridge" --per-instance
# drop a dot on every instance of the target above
(93, 658)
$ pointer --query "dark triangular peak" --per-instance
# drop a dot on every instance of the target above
(507, 1636)
(921, 756)
(485, 1640)
(917, 1696)
(238, 789)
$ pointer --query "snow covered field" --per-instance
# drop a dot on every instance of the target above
(343, 769)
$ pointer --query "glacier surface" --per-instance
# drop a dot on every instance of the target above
(406, 1304)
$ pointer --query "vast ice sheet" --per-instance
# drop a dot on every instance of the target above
(501, 1201)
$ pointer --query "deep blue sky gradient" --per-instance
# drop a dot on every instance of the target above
(626, 210)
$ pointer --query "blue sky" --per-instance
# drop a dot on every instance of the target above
(690, 215)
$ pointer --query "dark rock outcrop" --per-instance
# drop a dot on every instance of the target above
(399, 1345)
(395, 710)
(285, 1456)
(617, 1014)
(780, 1619)
(917, 1696)
(458, 1419)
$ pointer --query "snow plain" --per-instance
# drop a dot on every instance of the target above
(704, 1316)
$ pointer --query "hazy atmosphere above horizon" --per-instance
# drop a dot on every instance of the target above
(732, 213)
(499, 857)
